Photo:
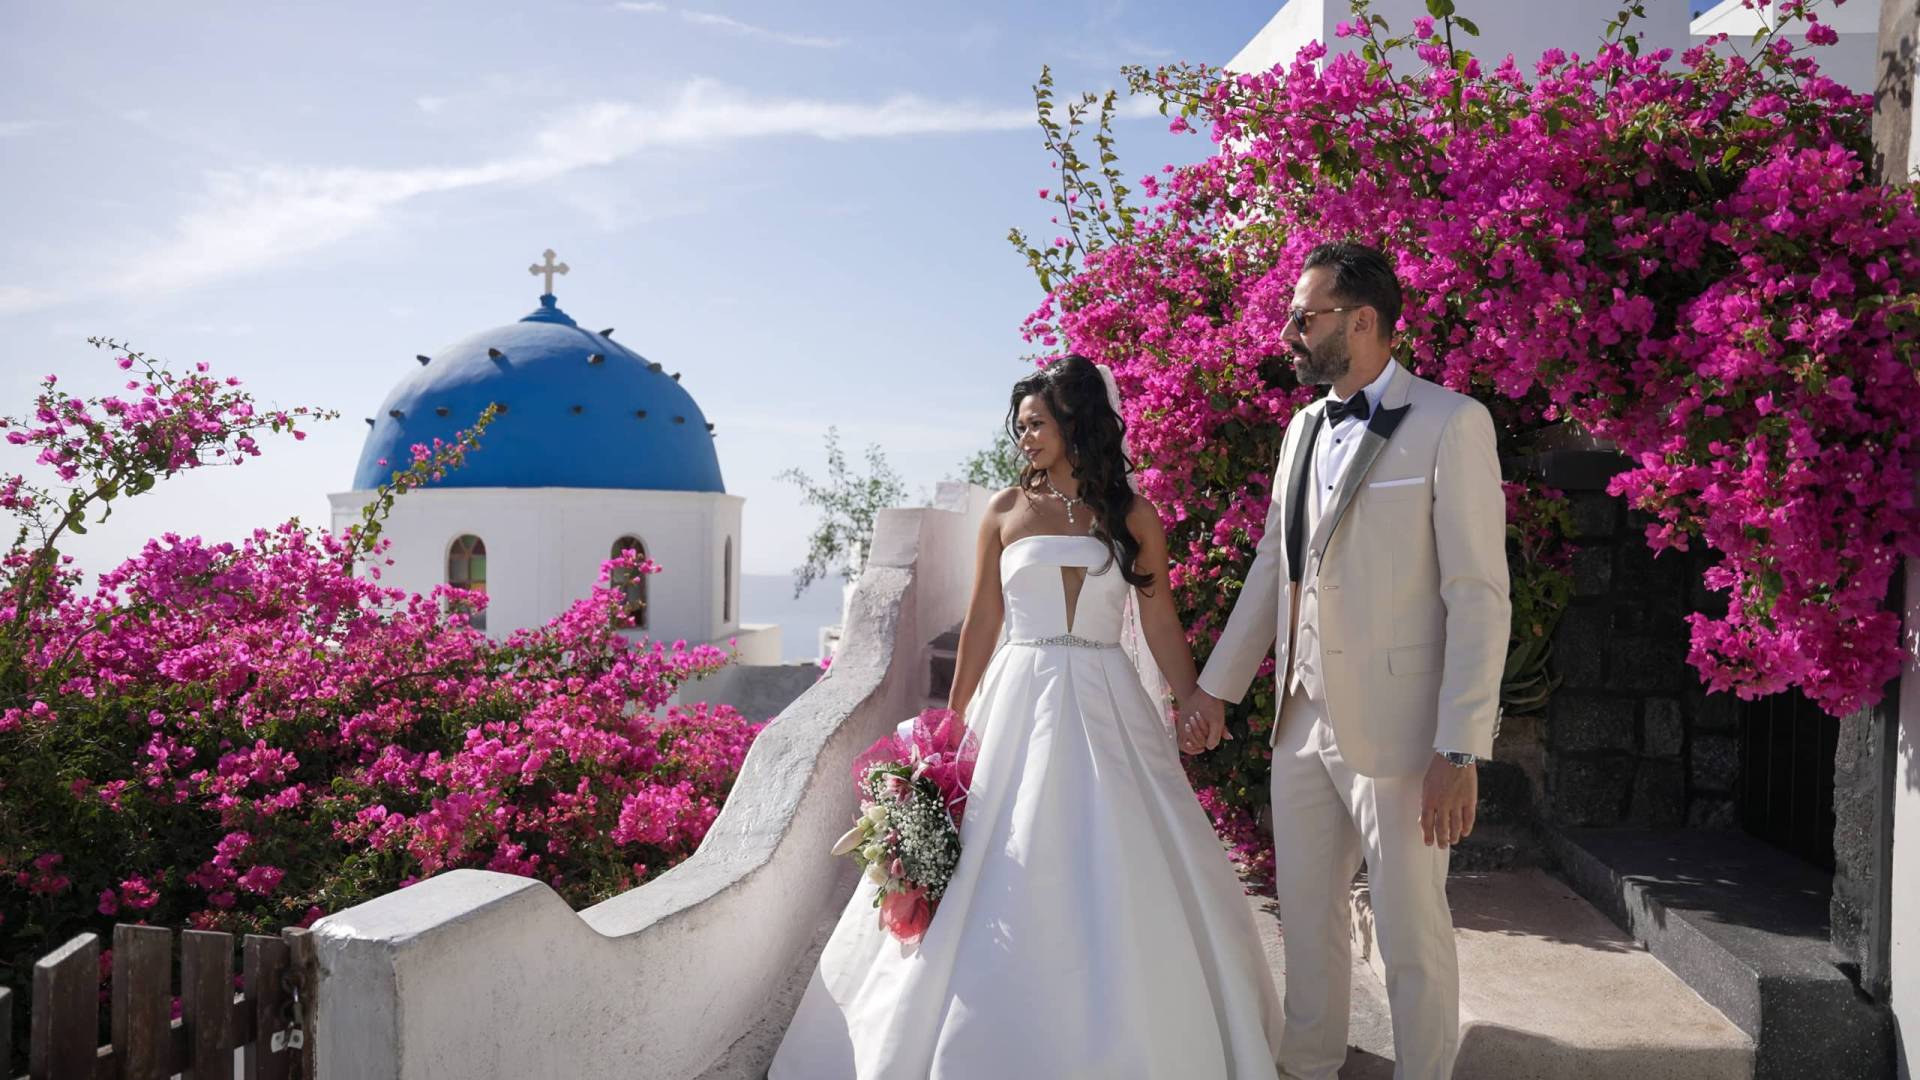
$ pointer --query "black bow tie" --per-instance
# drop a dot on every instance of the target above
(1355, 406)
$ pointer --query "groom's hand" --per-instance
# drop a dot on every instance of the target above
(1448, 798)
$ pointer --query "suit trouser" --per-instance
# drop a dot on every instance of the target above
(1326, 818)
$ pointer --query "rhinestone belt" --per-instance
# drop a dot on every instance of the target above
(1072, 640)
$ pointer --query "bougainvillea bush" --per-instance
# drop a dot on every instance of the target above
(245, 736)
(1689, 257)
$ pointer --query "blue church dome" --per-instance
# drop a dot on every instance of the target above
(578, 409)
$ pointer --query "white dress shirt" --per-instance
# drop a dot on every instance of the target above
(1333, 449)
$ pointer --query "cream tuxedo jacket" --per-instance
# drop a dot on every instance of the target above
(1410, 558)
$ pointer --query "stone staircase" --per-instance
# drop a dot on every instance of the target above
(1550, 989)
(1748, 926)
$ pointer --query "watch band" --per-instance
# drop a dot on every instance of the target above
(1458, 759)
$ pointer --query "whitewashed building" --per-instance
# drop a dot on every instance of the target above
(595, 450)
(1527, 28)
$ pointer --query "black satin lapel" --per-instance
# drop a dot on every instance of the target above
(1297, 503)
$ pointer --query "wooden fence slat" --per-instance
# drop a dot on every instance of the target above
(240, 1021)
(206, 1000)
(266, 964)
(142, 999)
(6, 1032)
(306, 976)
(66, 1012)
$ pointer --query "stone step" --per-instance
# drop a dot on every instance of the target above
(1496, 847)
(1550, 989)
(1745, 924)
(943, 654)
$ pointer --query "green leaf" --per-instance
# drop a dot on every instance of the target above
(1439, 9)
(1466, 24)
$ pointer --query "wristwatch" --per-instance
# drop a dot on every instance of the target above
(1457, 759)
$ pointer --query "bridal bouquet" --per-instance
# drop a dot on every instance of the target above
(913, 793)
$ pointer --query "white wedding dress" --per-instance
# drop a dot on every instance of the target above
(1094, 927)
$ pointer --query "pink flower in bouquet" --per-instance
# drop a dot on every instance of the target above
(942, 749)
(912, 785)
(906, 915)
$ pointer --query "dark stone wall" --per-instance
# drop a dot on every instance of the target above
(1864, 780)
(1630, 738)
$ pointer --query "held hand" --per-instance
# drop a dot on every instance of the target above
(1189, 726)
(1448, 799)
(1214, 712)
(1203, 721)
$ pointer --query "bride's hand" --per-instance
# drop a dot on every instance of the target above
(1190, 724)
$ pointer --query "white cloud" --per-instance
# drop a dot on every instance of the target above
(11, 128)
(430, 104)
(732, 25)
(1115, 53)
(252, 219)
(18, 299)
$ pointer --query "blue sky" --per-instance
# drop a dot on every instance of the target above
(802, 207)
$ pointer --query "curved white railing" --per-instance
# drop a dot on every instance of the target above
(475, 974)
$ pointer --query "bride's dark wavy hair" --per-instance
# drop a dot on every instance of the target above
(1094, 435)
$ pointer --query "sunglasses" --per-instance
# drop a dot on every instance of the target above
(1303, 317)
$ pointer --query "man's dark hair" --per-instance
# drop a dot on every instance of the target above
(1361, 275)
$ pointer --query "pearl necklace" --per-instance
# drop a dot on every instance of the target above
(1056, 494)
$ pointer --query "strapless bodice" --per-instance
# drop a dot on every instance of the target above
(1036, 594)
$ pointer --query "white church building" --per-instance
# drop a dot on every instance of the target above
(1526, 28)
(595, 450)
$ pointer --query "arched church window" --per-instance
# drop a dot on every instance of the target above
(467, 569)
(632, 586)
(726, 584)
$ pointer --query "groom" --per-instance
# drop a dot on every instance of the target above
(1383, 576)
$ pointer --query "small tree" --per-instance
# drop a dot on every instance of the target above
(996, 467)
(848, 504)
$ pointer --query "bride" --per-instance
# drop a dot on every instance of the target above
(1093, 928)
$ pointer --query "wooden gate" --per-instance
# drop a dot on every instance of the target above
(1786, 783)
(147, 1042)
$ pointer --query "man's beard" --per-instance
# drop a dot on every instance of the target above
(1324, 365)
